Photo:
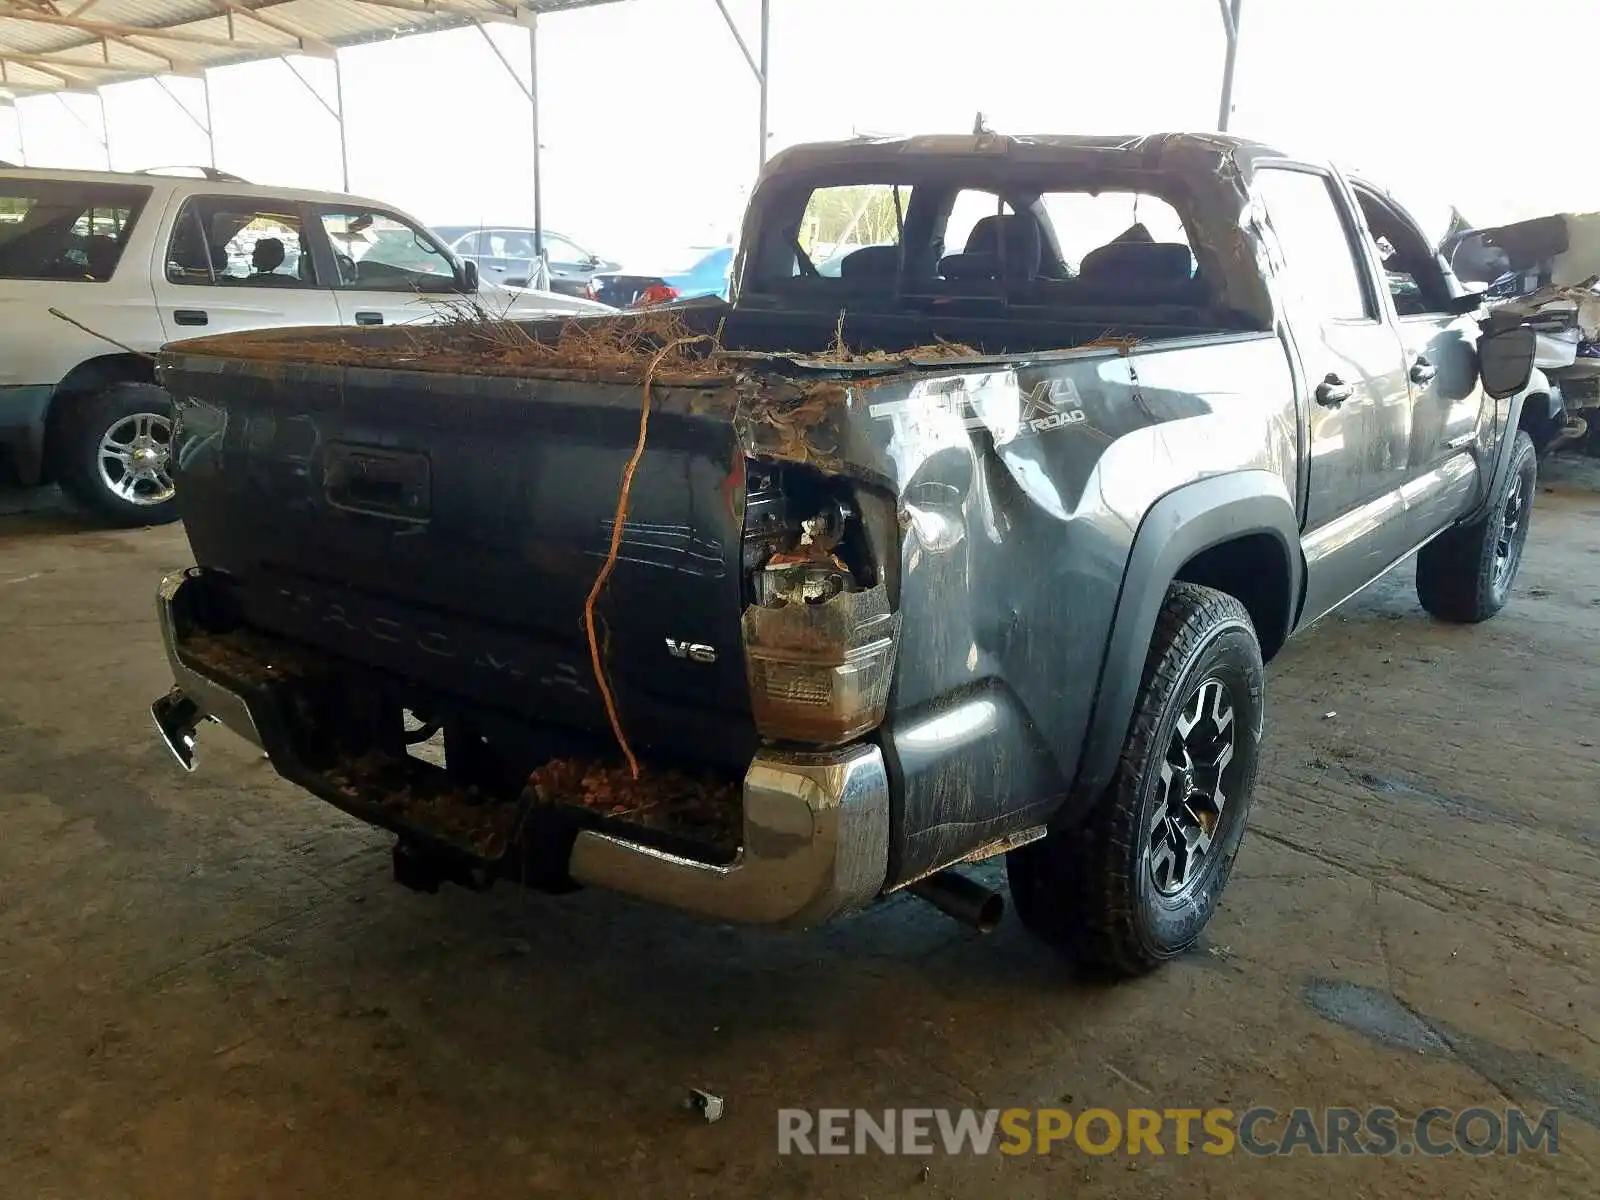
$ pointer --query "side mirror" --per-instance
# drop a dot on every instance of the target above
(1505, 360)
(469, 276)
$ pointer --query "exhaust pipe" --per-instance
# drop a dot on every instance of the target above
(956, 895)
(177, 717)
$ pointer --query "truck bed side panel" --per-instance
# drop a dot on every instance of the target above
(1022, 493)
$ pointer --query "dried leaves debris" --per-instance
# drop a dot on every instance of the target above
(701, 808)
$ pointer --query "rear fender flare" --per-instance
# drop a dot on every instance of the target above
(1182, 524)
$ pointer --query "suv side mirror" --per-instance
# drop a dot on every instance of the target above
(1505, 360)
(469, 276)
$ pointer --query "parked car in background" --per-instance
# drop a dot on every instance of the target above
(137, 260)
(505, 254)
(701, 271)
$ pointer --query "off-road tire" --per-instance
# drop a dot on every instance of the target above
(1091, 891)
(1465, 574)
(76, 436)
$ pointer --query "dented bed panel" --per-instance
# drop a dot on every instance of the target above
(1019, 492)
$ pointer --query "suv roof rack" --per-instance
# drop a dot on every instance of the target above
(210, 174)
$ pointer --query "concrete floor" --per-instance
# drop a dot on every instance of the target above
(210, 987)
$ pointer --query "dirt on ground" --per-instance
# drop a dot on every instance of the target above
(209, 986)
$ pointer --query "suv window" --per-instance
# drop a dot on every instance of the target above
(244, 241)
(1318, 251)
(379, 252)
(54, 229)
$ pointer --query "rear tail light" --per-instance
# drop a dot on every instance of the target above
(820, 672)
(656, 293)
(820, 634)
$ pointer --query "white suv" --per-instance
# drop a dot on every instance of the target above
(130, 262)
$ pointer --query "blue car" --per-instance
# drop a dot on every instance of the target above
(702, 271)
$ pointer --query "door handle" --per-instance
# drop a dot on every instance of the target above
(1423, 371)
(369, 318)
(1333, 391)
(190, 316)
(378, 481)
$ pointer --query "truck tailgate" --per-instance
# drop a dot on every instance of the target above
(447, 528)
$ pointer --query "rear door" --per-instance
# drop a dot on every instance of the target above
(238, 262)
(1441, 368)
(1358, 405)
(386, 269)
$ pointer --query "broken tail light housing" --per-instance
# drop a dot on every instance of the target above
(656, 293)
(820, 634)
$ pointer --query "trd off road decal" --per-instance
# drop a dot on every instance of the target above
(998, 404)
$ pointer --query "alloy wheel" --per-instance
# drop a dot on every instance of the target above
(1190, 792)
(135, 459)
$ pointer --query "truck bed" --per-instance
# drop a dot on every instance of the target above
(431, 507)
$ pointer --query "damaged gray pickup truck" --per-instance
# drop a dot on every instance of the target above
(964, 529)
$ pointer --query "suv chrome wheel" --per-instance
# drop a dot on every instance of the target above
(134, 459)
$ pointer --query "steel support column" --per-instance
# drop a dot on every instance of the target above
(766, 35)
(758, 67)
(337, 113)
(105, 129)
(211, 130)
(1230, 29)
(530, 91)
(203, 126)
(533, 109)
(103, 137)
(344, 141)
(9, 104)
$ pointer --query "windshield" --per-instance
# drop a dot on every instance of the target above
(52, 229)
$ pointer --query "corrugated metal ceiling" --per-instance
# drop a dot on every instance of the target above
(60, 45)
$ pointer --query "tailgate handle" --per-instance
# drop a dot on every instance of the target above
(190, 316)
(369, 318)
(380, 482)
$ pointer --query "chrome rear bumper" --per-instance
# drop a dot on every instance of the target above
(816, 825)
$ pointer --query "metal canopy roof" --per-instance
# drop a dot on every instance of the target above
(66, 45)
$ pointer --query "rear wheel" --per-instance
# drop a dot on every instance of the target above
(1465, 574)
(114, 454)
(1135, 884)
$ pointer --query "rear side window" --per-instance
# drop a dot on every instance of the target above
(228, 241)
(838, 222)
(59, 230)
(1319, 256)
